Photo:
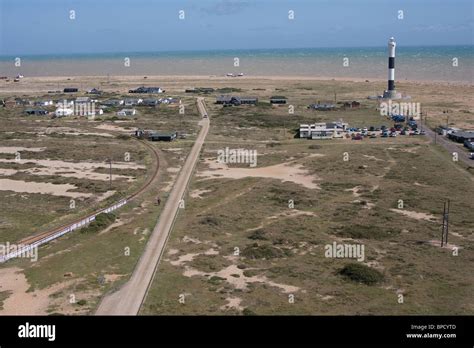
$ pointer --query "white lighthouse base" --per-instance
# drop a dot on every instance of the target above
(391, 95)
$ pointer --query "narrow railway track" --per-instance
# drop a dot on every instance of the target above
(45, 235)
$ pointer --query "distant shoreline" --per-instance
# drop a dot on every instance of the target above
(44, 83)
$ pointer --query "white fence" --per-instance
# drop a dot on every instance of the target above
(63, 231)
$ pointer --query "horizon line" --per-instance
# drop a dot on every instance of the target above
(218, 50)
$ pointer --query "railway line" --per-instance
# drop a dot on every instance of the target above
(44, 237)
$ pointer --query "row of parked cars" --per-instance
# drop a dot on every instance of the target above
(384, 132)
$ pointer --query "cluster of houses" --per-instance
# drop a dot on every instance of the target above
(86, 105)
(323, 130)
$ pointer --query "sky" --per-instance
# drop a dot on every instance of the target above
(45, 27)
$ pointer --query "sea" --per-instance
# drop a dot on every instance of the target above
(433, 63)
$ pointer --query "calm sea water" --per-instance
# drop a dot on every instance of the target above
(412, 63)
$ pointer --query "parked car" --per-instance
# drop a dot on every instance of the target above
(358, 137)
(393, 134)
(384, 135)
(371, 128)
(402, 132)
(373, 135)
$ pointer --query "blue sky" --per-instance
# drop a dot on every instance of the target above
(44, 27)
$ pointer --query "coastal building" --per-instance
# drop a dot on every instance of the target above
(168, 100)
(112, 102)
(351, 105)
(235, 100)
(323, 130)
(132, 101)
(322, 106)
(36, 112)
(94, 91)
(43, 103)
(149, 90)
(60, 112)
(126, 112)
(150, 102)
(154, 136)
(278, 100)
(82, 100)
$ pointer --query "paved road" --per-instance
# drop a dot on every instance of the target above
(450, 146)
(128, 299)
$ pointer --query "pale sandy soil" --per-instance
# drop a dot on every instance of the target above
(197, 193)
(42, 187)
(241, 281)
(173, 169)
(80, 170)
(111, 127)
(174, 149)
(233, 303)
(191, 256)
(106, 195)
(373, 158)
(7, 172)
(418, 184)
(437, 243)
(67, 131)
(284, 172)
(355, 191)
(14, 149)
(416, 215)
(21, 302)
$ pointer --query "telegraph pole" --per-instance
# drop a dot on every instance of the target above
(445, 226)
(110, 172)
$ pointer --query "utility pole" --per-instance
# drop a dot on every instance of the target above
(110, 171)
(445, 226)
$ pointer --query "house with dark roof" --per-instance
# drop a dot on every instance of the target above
(278, 100)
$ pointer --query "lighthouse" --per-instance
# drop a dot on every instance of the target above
(391, 93)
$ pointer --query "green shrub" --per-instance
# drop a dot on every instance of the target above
(258, 235)
(101, 221)
(366, 232)
(361, 273)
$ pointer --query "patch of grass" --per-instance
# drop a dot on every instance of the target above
(256, 251)
(366, 232)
